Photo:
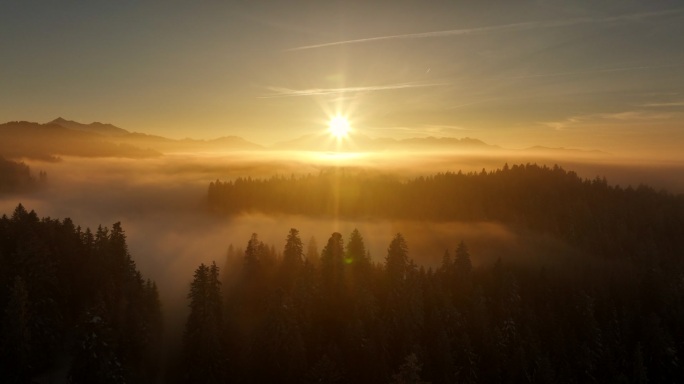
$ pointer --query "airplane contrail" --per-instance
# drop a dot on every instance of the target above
(496, 28)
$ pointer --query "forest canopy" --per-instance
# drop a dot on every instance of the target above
(335, 317)
(74, 307)
(609, 221)
(16, 177)
(73, 303)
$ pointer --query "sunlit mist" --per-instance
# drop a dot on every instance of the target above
(342, 192)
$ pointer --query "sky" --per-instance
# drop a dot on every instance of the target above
(593, 74)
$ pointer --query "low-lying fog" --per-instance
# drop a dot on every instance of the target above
(160, 205)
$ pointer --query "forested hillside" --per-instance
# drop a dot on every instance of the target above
(17, 177)
(50, 141)
(75, 308)
(335, 317)
(612, 313)
(605, 220)
(73, 305)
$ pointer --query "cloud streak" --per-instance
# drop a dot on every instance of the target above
(525, 26)
(665, 104)
(594, 71)
(288, 92)
(621, 117)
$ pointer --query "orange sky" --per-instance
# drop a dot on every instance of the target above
(599, 75)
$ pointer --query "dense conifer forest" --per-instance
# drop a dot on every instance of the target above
(17, 177)
(74, 306)
(612, 314)
(609, 221)
(298, 315)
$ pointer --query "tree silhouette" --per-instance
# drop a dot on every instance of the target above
(293, 259)
(67, 291)
(462, 263)
(202, 341)
(397, 261)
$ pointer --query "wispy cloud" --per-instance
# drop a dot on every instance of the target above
(498, 28)
(635, 115)
(563, 124)
(664, 104)
(621, 117)
(596, 70)
(288, 92)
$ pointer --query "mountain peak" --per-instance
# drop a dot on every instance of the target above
(99, 128)
(58, 120)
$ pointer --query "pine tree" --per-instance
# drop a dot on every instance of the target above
(293, 256)
(356, 250)
(462, 261)
(357, 260)
(253, 257)
(332, 265)
(397, 261)
(447, 263)
(202, 341)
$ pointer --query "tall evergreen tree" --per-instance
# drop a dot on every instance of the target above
(397, 261)
(203, 347)
(293, 259)
(462, 261)
(356, 250)
(358, 264)
(332, 264)
(254, 253)
(447, 263)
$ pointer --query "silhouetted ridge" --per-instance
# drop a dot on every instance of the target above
(360, 142)
(48, 141)
(96, 127)
(608, 220)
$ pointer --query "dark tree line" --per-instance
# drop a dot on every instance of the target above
(73, 305)
(609, 221)
(17, 177)
(336, 317)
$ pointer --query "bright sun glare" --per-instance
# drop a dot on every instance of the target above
(339, 126)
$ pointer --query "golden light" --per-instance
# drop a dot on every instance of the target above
(339, 126)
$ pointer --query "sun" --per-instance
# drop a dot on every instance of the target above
(339, 126)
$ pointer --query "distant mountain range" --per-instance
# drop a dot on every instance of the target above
(61, 137)
(51, 140)
(96, 127)
(363, 143)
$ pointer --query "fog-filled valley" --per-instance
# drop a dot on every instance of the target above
(342, 192)
(164, 207)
